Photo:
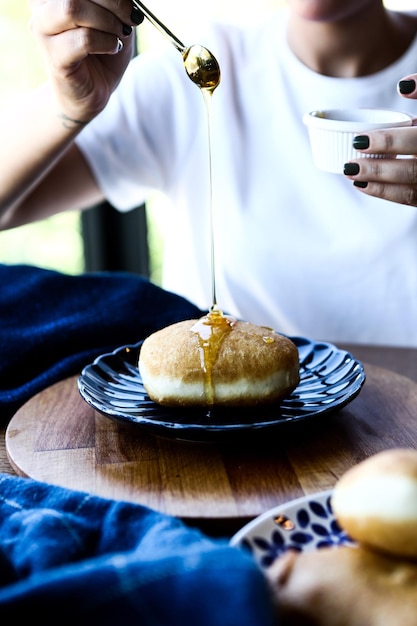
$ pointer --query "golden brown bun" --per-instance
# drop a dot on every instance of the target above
(190, 363)
(376, 502)
(344, 586)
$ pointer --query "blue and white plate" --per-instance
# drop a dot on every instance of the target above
(304, 524)
(329, 379)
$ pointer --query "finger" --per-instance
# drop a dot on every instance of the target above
(401, 194)
(395, 171)
(70, 34)
(51, 18)
(392, 141)
(76, 44)
(407, 86)
(126, 10)
(389, 179)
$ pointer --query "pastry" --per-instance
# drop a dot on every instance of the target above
(344, 586)
(376, 502)
(217, 360)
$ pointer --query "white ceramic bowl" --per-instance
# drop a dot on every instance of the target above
(332, 131)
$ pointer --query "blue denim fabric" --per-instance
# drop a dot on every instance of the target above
(53, 324)
(69, 557)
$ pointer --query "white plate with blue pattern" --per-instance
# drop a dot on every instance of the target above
(304, 524)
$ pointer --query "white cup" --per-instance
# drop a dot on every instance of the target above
(332, 131)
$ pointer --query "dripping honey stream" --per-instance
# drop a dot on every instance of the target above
(203, 69)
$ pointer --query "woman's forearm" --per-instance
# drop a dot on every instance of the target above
(34, 137)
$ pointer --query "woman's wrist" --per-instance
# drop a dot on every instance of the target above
(71, 123)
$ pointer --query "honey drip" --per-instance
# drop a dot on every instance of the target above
(215, 326)
(211, 331)
(207, 94)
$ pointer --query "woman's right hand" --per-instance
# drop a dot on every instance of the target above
(41, 169)
(88, 45)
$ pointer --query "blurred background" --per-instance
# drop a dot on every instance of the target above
(70, 242)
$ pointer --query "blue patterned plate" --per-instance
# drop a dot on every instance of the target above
(329, 379)
(304, 524)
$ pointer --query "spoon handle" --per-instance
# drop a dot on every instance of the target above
(160, 26)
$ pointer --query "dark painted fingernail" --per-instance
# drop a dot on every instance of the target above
(361, 142)
(351, 169)
(136, 16)
(406, 86)
(127, 30)
(360, 184)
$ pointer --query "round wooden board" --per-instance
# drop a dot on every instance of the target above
(58, 438)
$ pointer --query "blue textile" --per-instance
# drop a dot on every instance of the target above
(53, 324)
(69, 557)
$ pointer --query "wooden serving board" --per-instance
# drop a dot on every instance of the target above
(58, 438)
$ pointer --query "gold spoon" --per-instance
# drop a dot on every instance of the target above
(200, 64)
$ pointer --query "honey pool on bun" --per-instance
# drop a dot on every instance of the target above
(218, 361)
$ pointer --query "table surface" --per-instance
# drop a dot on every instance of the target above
(216, 487)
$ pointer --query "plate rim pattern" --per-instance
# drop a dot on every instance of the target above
(303, 524)
(330, 379)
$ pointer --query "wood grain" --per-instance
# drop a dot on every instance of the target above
(56, 437)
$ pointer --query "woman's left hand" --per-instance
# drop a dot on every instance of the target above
(393, 179)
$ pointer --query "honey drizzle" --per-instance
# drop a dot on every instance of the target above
(211, 329)
(203, 69)
(207, 95)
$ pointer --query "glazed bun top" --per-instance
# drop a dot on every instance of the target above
(218, 360)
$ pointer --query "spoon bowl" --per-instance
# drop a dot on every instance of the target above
(202, 67)
(200, 64)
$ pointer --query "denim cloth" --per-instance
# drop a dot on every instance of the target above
(53, 324)
(69, 557)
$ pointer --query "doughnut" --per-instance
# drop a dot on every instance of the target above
(344, 586)
(217, 360)
(375, 502)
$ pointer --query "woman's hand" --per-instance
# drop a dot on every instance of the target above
(88, 45)
(393, 179)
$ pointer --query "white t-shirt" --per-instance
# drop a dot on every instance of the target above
(296, 249)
